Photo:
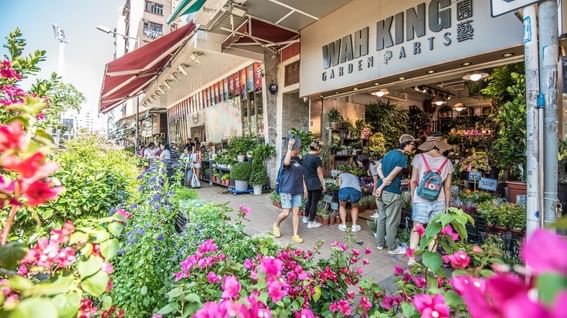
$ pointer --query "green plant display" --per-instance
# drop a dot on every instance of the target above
(506, 215)
(240, 171)
(241, 145)
(306, 138)
(389, 120)
(334, 116)
(477, 161)
(377, 145)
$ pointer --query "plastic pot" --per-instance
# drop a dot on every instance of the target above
(257, 189)
(241, 185)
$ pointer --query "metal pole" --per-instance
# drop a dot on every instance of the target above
(532, 89)
(549, 52)
(137, 142)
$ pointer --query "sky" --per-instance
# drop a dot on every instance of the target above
(88, 49)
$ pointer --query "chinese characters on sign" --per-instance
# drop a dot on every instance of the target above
(465, 30)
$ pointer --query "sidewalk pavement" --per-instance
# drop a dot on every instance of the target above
(264, 214)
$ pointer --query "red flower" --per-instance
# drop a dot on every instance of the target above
(12, 137)
(420, 230)
(40, 192)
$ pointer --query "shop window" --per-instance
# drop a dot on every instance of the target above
(291, 74)
(152, 29)
(154, 8)
(253, 115)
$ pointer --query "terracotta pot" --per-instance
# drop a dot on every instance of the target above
(318, 219)
(332, 220)
(514, 189)
(326, 220)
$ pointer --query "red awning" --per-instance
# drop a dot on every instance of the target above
(255, 31)
(130, 74)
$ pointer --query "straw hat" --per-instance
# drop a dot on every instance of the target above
(432, 142)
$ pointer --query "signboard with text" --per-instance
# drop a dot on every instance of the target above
(500, 7)
(488, 184)
(367, 40)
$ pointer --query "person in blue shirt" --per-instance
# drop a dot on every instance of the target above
(390, 199)
(292, 189)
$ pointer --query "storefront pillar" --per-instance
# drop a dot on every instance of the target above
(549, 55)
(271, 109)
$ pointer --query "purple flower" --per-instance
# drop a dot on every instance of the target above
(160, 237)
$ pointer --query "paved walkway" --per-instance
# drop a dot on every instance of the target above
(263, 216)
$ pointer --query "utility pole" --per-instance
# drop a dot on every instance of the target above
(533, 207)
(62, 39)
(549, 55)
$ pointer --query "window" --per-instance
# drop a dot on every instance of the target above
(154, 8)
(153, 30)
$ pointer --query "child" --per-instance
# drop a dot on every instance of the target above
(349, 191)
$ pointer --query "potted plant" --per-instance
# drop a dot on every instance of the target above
(258, 178)
(239, 146)
(319, 217)
(487, 211)
(240, 173)
(335, 118)
(225, 179)
(259, 175)
(507, 88)
(476, 161)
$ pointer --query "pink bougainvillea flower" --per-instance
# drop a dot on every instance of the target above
(398, 270)
(459, 260)
(462, 283)
(448, 230)
(124, 213)
(387, 302)
(26, 167)
(244, 210)
(431, 306)
(6, 71)
(107, 268)
(248, 264)
(12, 137)
(341, 306)
(536, 252)
(409, 252)
(420, 230)
(211, 310)
(419, 281)
(277, 290)
(304, 313)
(208, 246)
(230, 287)
(365, 261)
(213, 278)
(365, 303)
(355, 252)
(271, 266)
(40, 192)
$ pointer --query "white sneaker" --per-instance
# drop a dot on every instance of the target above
(374, 216)
(355, 228)
(305, 220)
(380, 247)
(398, 251)
(313, 225)
(342, 227)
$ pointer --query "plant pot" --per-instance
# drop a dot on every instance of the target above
(515, 189)
(240, 158)
(332, 219)
(319, 219)
(240, 185)
(326, 219)
(500, 229)
(257, 189)
(338, 219)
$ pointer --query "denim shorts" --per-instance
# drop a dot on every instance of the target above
(291, 200)
(423, 212)
(349, 195)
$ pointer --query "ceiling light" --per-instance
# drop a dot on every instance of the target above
(430, 71)
(355, 89)
(381, 93)
(438, 101)
(459, 107)
(477, 76)
(508, 54)
(466, 64)
(375, 84)
(402, 78)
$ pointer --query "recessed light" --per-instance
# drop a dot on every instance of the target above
(466, 64)
(477, 76)
(355, 89)
(402, 78)
(508, 54)
(375, 84)
(430, 71)
(336, 92)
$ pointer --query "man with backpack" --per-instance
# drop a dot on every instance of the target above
(430, 185)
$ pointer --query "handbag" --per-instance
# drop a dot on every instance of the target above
(195, 183)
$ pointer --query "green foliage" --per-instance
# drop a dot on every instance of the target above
(503, 214)
(27, 65)
(499, 81)
(306, 138)
(149, 255)
(240, 171)
(509, 148)
(389, 120)
(334, 116)
(259, 175)
(61, 97)
(241, 145)
(96, 179)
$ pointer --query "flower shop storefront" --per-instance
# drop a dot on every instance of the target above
(427, 68)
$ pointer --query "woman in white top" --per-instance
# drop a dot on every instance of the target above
(431, 159)
(196, 157)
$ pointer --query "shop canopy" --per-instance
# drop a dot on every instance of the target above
(256, 32)
(186, 7)
(130, 74)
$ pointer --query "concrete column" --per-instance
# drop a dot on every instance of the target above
(271, 111)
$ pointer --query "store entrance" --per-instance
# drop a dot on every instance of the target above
(199, 133)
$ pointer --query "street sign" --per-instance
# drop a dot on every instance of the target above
(500, 7)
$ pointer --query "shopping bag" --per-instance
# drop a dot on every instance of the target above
(195, 183)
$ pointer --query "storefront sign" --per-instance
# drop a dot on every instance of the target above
(385, 38)
(488, 184)
(499, 7)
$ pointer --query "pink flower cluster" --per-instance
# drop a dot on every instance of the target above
(448, 230)
(50, 254)
(7, 72)
(431, 306)
(507, 294)
(206, 256)
(243, 210)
